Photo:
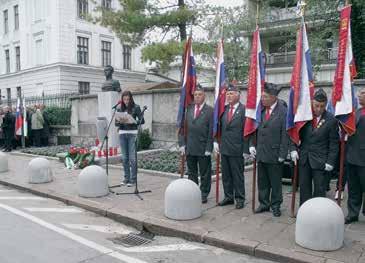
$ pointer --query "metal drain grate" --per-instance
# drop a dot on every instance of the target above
(134, 239)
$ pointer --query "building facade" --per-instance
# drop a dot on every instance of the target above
(50, 46)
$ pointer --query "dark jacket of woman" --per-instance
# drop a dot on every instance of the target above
(136, 114)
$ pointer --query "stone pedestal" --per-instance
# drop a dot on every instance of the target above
(39, 171)
(320, 225)
(93, 182)
(183, 200)
(106, 100)
(3, 162)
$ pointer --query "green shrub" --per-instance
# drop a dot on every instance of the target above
(144, 140)
(58, 116)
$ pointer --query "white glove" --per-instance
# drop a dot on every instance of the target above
(252, 151)
(216, 147)
(328, 167)
(207, 153)
(182, 150)
(280, 160)
(294, 156)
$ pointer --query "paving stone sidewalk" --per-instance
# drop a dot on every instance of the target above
(238, 230)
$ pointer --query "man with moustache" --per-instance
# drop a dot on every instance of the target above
(232, 149)
(318, 149)
(199, 142)
(270, 150)
(355, 163)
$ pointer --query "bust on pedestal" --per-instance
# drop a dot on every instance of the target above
(106, 100)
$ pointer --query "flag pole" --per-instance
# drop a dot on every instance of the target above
(254, 138)
(295, 175)
(342, 161)
(218, 141)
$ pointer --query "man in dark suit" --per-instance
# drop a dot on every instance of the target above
(318, 149)
(199, 142)
(271, 150)
(8, 127)
(232, 149)
(355, 159)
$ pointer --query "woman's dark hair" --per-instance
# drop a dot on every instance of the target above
(131, 102)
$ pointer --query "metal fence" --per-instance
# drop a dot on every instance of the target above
(60, 100)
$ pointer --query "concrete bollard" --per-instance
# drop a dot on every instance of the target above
(93, 182)
(183, 200)
(320, 225)
(3, 162)
(39, 171)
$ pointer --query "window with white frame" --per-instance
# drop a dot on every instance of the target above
(82, 8)
(82, 50)
(16, 17)
(17, 58)
(7, 60)
(107, 4)
(127, 57)
(39, 52)
(6, 21)
(84, 87)
(106, 53)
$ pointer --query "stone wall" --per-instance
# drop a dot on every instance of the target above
(160, 116)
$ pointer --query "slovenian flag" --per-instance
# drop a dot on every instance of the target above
(189, 83)
(344, 103)
(18, 119)
(220, 90)
(25, 123)
(301, 87)
(256, 82)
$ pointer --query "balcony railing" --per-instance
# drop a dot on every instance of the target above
(275, 60)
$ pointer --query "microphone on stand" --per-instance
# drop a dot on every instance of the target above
(116, 105)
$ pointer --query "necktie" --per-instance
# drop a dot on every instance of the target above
(314, 122)
(197, 111)
(230, 113)
(267, 114)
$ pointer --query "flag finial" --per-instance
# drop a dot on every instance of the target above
(301, 7)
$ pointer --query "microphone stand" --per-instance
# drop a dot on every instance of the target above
(106, 141)
(136, 191)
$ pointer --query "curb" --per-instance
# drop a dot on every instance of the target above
(165, 228)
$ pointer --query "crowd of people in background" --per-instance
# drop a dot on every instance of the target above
(37, 133)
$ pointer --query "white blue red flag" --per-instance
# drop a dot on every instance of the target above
(343, 102)
(301, 87)
(25, 123)
(220, 90)
(256, 82)
(189, 83)
(18, 118)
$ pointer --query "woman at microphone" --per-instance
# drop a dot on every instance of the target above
(128, 131)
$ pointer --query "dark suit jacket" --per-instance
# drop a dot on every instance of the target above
(319, 146)
(232, 141)
(355, 147)
(199, 138)
(272, 138)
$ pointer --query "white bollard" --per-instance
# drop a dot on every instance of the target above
(93, 182)
(320, 225)
(183, 200)
(3, 162)
(39, 171)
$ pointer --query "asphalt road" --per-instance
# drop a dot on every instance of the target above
(40, 230)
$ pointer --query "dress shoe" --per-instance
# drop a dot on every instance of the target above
(261, 209)
(240, 205)
(276, 212)
(349, 220)
(204, 200)
(226, 201)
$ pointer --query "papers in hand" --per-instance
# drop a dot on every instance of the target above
(125, 118)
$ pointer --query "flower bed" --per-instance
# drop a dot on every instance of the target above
(51, 151)
(167, 161)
